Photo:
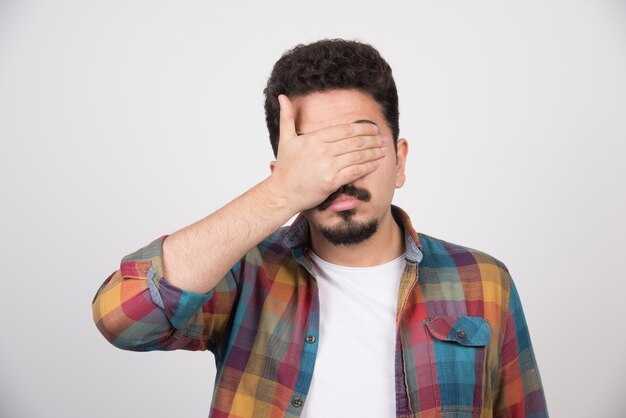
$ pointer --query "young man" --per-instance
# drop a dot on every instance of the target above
(349, 312)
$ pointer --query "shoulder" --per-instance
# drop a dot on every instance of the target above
(475, 274)
(440, 253)
(275, 242)
(271, 249)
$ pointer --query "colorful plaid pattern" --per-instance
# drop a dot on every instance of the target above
(462, 347)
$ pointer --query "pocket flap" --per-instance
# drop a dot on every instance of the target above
(464, 330)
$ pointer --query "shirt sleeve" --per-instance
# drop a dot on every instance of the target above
(137, 309)
(520, 391)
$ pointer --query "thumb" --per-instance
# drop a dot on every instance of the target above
(287, 123)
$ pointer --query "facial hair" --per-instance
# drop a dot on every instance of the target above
(348, 232)
(348, 190)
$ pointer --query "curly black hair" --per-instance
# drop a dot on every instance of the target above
(330, 64)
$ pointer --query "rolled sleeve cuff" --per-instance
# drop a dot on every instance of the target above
(178, 305)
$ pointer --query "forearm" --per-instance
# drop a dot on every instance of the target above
(196, 257)
(127, 317)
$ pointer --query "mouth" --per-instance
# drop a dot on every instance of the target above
(347, 197)
(344, 202)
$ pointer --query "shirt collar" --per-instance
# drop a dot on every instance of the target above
(297, 234)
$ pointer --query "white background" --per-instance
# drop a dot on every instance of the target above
(121, 121)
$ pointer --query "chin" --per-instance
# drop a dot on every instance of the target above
(346, 227)
(349, 230)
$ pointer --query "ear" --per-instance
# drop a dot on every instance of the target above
(402, 150)
(272, 166)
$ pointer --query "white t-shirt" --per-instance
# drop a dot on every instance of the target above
(354, 373)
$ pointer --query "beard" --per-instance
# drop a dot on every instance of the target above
(348, 231)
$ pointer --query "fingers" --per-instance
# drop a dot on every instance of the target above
(287, 122)
(357, 143)
(359, 157)
(330, 134)
(347, 130)
(354, 172)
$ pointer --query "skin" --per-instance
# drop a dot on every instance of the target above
(317, 111)
(320, 149)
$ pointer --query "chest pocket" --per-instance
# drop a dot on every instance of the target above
(458, 361)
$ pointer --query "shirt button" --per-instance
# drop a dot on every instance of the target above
(461, 334)
(297, 402)
(310, 339)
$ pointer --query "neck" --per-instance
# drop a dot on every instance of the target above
(385, 245)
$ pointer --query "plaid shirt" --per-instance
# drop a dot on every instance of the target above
(462, 345)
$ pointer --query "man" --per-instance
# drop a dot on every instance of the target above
(348, 312)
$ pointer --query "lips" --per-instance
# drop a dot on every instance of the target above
(344, 202)
(345, 198)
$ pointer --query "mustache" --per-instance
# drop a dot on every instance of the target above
(348, 190)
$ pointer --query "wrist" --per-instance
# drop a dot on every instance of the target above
(280, 199)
